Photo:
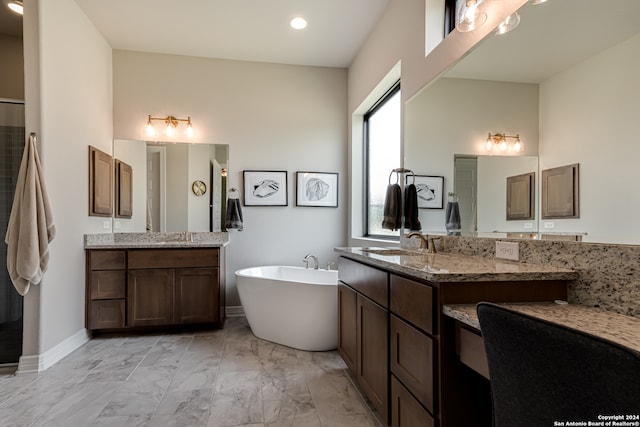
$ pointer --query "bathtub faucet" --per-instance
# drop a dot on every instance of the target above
(315, 261)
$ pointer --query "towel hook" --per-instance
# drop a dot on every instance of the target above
(453, 197)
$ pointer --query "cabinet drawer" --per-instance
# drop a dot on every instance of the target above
(369, 281)
(470, 348)
(173, 258)
(108, 284)
(412, 360)
(107, 314)
(405, 409)
(413, 302)
(107, 260)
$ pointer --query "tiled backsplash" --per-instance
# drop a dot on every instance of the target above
(609, 274)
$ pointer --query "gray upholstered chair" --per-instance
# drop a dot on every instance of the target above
(542, 372)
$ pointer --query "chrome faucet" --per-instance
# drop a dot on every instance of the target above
(426, 242)
(315, 261)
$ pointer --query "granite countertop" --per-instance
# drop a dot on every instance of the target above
(447, 267)
(155, 240)
(621, 329)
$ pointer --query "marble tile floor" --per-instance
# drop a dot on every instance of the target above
(215, 378)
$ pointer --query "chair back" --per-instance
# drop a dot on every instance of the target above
(542, 372)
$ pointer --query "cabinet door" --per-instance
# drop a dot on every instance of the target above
(412, 360)
(150, 297)
(373, 368)
(347, 326)
(197, 295)
(406, 411)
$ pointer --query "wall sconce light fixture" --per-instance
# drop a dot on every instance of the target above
(171, 123)
(468, 16)
(500, 142)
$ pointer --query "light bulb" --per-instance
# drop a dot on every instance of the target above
(509, 24)
(189, 129)
(517, 147)
(169, 131)
(469, 17)
(489, 144)
(150, 129)
(503, 145)
(298, 23)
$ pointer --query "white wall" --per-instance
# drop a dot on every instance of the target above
(398, 40)
(135, 155)
(589, 115)
(438, 125)
(274, 117)
(492, 192)
(12, 70)
(199, 169)
(177, 176)
(69, 103)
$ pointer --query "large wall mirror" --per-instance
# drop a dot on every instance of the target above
(565, 80)
(174, 186)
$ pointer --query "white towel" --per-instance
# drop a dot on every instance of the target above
(30, 228)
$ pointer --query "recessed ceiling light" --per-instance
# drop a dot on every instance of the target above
(298, 23)
(16, 7)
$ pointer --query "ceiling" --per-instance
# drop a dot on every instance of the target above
(251, 30)
(248, 30)
(10, 23)
(551, 37)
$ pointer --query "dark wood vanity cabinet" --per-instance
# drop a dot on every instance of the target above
(363, 330)
(423, 365)
(154, 287)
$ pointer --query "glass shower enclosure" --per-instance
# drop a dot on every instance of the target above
(12, 140)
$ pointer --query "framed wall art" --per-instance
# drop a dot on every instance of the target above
(265, 188)
(317, 189)
(429, 189)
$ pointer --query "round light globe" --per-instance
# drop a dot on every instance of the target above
(298, 23)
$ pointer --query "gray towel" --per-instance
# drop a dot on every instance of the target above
(411, 220)
(392, 219)
(30, 228)
(452, 218)
(233, 219)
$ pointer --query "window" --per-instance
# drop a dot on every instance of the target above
(382, 129)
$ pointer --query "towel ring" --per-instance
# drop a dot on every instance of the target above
(233, 193)
(399, 171)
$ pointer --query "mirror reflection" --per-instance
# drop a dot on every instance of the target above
(174, 186)
(565, 81)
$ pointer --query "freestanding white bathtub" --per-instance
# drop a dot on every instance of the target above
(292, 306)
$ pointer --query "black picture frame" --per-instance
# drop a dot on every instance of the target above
(265, 188)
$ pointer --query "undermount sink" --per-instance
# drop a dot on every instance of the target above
(392, 252)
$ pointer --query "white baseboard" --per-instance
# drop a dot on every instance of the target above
(41, 362)
(234, 311)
